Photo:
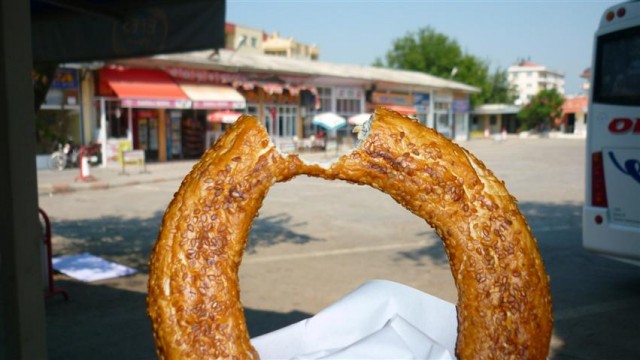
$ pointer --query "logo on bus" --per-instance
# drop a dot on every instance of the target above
(624, 126)
(630, 167)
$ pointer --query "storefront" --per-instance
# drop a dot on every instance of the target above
(140, 109)
(150, 110)
(574, 115)
(58, 119)
(422, 104)
(214, 109)
(460, 109)
(442, 115)
(488, 119)
(286, 94)
(278, 107)
(275, 100)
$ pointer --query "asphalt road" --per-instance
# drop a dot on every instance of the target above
(316, 240)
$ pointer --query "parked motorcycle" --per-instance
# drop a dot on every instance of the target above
(65, 155)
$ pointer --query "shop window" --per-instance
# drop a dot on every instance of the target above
(252, 109)
(325, 99)
(117, 119)
(441, 106)
(287, 121)
(56, 126)
(348, 106)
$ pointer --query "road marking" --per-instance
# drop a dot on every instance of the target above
(597, 309)
(347, 251)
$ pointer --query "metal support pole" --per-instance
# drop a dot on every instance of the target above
(130, 126)
(103, 132)
(22, 328)
(431, 116)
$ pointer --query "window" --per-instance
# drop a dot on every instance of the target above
(442, 106)
(254, 42)
(252, 109)
(325, 99)
(348, 106)
(348, 101)
(617, 72)
(287, 115)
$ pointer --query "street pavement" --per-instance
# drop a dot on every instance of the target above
(317, 240)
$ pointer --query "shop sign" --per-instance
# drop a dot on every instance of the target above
(460, 105)
(442, 98)
(421, 99)
(391, 99)
(219, 105)
(65, 79)
(203, 76)
(157, 103)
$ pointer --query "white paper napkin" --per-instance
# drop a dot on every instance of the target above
(379, 320)
(87, 267)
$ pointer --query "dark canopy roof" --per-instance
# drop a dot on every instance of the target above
(81, 30)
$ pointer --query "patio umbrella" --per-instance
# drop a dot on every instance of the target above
(329, 121)
(224, 116)
(359, 119)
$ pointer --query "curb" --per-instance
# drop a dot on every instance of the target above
(65, 188)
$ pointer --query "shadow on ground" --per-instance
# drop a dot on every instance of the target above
(129, 241)
(103, 322)
(595, 299)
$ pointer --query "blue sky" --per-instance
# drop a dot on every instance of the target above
(557, 34)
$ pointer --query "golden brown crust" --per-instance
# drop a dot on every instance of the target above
(504, 306)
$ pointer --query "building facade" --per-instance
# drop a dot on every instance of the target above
(488, 119)
(175, 106)
(528, 79)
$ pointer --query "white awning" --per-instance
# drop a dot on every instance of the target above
(213, 96)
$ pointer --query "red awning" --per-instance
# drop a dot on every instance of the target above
(145, 88)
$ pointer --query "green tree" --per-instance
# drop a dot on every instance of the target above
(436, 54)
(540, 112)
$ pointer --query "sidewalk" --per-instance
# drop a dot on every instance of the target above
(67, 180)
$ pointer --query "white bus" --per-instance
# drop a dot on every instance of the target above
(611, 215)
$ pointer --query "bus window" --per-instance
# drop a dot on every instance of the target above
(618, 68)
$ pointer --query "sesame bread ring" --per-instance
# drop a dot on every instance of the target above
(504, 305)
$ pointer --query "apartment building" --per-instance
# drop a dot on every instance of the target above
(528, 78)
(290, 48)
(243, 39)
(247, 40)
